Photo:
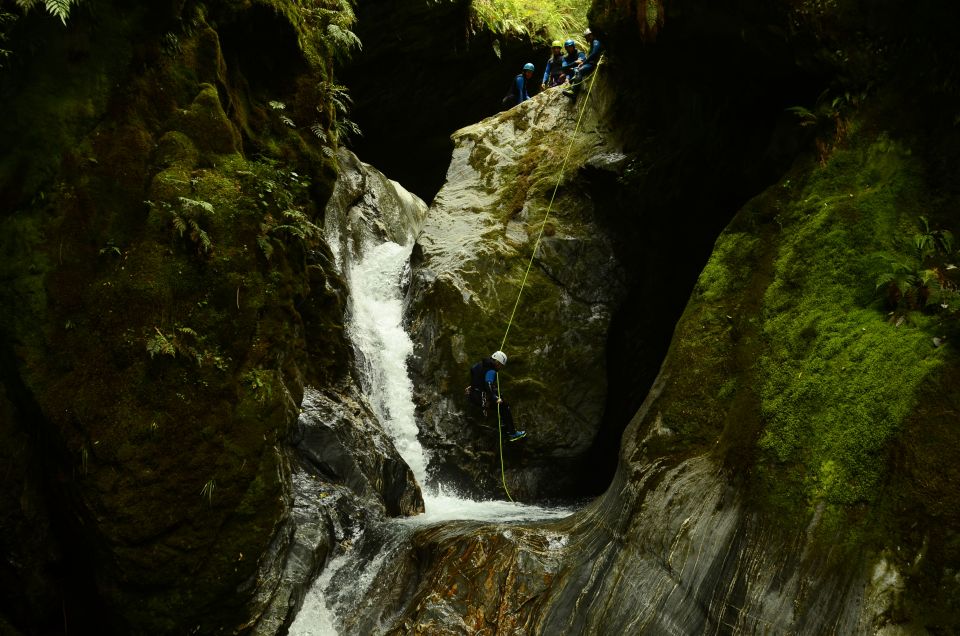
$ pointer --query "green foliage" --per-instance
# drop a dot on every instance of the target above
(830, 118)
(261, 383)
(186, 218)
(295, 224)
(187, 343)
(553, 19)
(6, 23)
(323, 27)
(933, 242)
(207, 490)
(58, 8)
(826, 379)
(339, 97)
(926, 279)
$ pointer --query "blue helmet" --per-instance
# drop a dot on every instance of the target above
(569, 43)
(528, 66)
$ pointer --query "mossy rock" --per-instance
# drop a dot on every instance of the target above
(207, 125)
(177, 149)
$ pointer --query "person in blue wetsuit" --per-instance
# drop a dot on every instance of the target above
(572, 59)
(518, 88)
(553, 73)
(520, 83)
(586, 66)
(484, 391)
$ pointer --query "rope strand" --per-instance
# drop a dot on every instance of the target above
(533, 255)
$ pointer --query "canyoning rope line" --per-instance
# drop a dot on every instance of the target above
(553, 195)
(503, 472)
(533, 254)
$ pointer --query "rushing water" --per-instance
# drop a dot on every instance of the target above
(352, 581)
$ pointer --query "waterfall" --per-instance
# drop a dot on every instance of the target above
(345, 599)
(376, 330)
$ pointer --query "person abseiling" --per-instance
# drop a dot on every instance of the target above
(553, 73)
(484, 392)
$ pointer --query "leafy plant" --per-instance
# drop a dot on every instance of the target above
(907, 287)
(260, 381)
(932, 242)
(58, 8)
(186, 217)
(184, 341)
(926, 281)
(6, 23)
(207, 490)
(111, 249)
(556, 19)
(335, 104)
(829, 117)
(161, 345)
(295, 224)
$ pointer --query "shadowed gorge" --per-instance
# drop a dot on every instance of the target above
(234, 340)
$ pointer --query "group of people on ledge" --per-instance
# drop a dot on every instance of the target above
(568, 68)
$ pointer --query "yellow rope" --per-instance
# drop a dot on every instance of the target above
(543, 224)
(533, 254)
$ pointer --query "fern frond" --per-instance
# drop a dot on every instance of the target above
(160, 345)
(56, 8)
(265, 246)
(346, 128)
(205, 243)
(194, 205)
(317, 130)
(179, 224)
(292, 229)
(343, 38)
(59, 8)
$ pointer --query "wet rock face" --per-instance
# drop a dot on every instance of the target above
(468, 266)
(668, 551)
(342, 439)
(346, 477)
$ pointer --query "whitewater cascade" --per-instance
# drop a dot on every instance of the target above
(374, 256)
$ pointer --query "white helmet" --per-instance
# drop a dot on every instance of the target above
(500, 357)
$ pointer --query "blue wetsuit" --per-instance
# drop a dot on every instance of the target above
(591, 60)
(486, 395)
(520, 87)
(551, 74)
(570, 62)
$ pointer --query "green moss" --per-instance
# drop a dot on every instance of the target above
(728, 269)
(786, 360)
(837, 378)
(176, 149)
(207, 125)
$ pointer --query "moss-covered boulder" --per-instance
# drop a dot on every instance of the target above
(470, 263)
(167, 296)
